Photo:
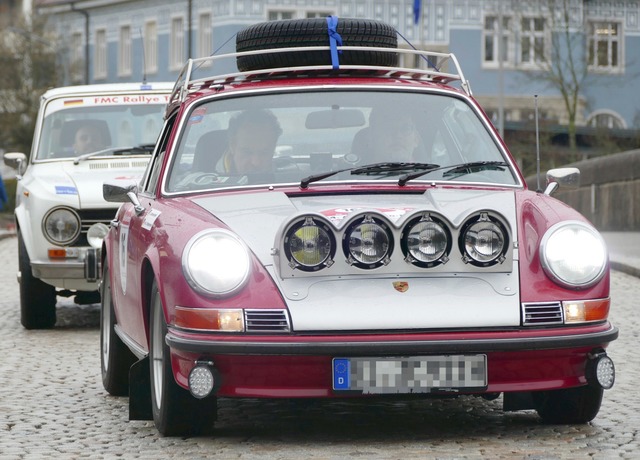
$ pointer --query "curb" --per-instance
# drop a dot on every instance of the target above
(625, 268)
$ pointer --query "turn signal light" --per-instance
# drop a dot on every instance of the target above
(210, 319)
(584, 311)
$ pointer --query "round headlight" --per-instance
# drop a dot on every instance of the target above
(96, 234)
(426, 241)
(61, 226)
(309, 245)
(573, 254)
(367, 243)
(483, 241)
(216, 263)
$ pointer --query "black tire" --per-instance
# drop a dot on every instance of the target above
(313, 32)
(37, 298)
(115, 357)
(571, 406)
(175, 411)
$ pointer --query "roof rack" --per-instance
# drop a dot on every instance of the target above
(186, 83)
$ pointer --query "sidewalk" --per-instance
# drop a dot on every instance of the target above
(624, 251)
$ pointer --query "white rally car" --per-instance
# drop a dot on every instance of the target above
(84, 135)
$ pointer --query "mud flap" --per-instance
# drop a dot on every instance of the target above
(517, 401)
(140, 391)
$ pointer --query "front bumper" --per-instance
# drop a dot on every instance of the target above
(85, 265)
(301, 366)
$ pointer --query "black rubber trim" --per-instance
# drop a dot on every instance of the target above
(297, 348)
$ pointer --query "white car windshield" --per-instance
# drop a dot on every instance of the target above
(81, 127)
(335, 136)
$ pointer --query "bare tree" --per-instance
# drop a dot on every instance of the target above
(28, 67)
(562, 58)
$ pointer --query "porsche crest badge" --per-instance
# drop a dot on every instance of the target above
(401, 286)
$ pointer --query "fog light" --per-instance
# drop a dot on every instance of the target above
(600, 370)
(201, 380)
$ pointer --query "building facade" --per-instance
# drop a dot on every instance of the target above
(511, 51)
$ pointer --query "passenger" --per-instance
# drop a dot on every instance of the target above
(391, 137)
(252, 138)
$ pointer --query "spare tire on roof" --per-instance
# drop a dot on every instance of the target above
(313, 32)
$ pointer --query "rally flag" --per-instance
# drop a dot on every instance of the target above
(417, 6)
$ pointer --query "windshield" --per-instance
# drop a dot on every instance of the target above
(302, 137)
(105, 125)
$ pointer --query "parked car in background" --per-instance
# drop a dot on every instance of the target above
(83, 136)
(344, 221)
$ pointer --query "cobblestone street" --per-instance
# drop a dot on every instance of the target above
(53, 405)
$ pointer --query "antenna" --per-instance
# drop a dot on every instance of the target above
(535, 98)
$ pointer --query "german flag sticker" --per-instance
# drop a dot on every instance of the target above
(401, 286)
(73, 102)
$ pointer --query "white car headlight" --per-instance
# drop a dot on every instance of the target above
(61, 226)
(216, 263)
(573, 254)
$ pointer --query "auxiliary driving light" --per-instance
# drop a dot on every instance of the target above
(600, 370)
(201, 380)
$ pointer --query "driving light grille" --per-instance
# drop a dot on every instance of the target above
(541, 313)
(266, 321)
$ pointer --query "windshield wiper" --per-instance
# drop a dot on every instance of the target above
(143, 148)
(387, 168)
(459, 169)
(468, 168)
(86, 156)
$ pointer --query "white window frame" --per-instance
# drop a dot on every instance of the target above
(535, 41)
(205, 40)
(77, 57)
(613, 42)
(100, 54)
(124, 51)
(177, 43)
(150, 45)
(507, 39)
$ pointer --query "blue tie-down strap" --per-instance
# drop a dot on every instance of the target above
(335, 40)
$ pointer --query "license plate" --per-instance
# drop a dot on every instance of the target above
(415, 374)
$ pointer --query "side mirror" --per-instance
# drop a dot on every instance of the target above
(562, 177)
(122, 192)
(16, 160)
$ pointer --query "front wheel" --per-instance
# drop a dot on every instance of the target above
(570, 406)
(115, 357)
(37, 298)
(175, 411)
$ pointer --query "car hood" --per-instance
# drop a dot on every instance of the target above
(81, 185)
(370, 301)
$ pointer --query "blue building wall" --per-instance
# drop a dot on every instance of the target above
(451, 25)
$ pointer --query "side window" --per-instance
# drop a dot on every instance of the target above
(150, 181)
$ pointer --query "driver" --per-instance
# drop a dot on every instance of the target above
(252, 138)
(88, 139)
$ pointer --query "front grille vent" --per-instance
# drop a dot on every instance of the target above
(120, 164)
(535, 314)
(267, 321)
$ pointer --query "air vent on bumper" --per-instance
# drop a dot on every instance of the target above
(267, 321)
(537, 314)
